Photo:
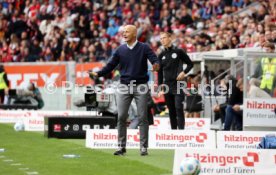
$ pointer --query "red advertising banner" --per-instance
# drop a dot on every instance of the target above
(40, 74)
(82, 77)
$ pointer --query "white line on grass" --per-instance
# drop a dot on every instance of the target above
(32, 173)
(24, 169)
(8, 160)
(19, 164)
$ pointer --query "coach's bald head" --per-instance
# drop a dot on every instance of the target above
(130, 34)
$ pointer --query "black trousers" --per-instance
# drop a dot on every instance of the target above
(2, 96)
(174, 103)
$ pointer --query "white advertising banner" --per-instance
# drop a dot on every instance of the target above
(103, 138)
(34, 120)
(33, 123)
(171, 139)
(201, 124)
(259, 112)
(240, 139)
(161, 123)
(229, 161)
(158, 139)
(190, 123)
(12, 116)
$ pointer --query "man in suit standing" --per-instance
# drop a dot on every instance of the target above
(132, 58)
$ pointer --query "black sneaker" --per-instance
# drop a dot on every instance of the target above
(120, 152)
(143, 152)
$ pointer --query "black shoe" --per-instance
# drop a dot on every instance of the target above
(143, 152)
(120, 152)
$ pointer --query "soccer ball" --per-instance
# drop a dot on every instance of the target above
(190, 166)
(19, 126)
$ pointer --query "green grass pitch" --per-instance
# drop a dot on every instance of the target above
(30, 153)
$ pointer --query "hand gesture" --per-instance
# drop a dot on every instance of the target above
(181, 76)
(93, 74)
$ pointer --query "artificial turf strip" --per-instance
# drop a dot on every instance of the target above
(44, 156)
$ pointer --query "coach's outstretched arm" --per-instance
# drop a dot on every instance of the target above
(112, 63)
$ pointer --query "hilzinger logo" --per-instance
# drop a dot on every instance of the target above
(248, 139)
(156, 122)
(182, 138)
(27, 114)
(257, 105)
(201, 137)
(200, 123)
(110, 136)
(248, 160)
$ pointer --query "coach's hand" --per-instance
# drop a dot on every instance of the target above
(180, 76)
(93, 74)
(155, 67)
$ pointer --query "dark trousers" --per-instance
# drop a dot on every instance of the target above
(2, 96)
(124, 98)
(174, 103)
(230, 116)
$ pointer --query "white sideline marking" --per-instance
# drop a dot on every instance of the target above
(32, 173)
(8, 160)
(24, 168)
(1, 157)
(16, 164)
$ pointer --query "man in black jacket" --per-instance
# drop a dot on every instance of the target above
(171, 70)
(231, 114)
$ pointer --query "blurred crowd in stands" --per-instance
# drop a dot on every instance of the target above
(89, 30)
